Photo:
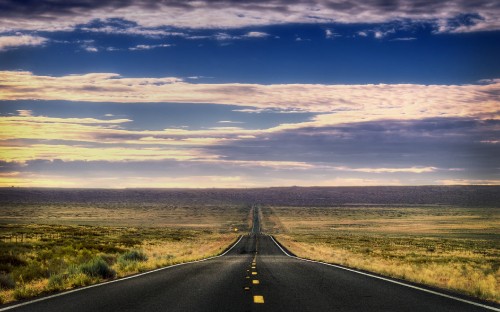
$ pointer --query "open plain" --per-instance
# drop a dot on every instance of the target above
(53, 240)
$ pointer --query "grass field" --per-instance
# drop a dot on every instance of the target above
(48, 248)
(55, 239)
(151, 214)
(448, 247)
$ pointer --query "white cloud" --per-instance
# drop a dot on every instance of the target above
(222, 36)
(149, 47)
(91, 49)
(25, 112)
(11, 42)
(229, 122)
(256, 34)
(26, 116)
(490, 141)
(199, 77)
(139, 31)
(301, 39)
(330, 34)
(88, 45)
(379, 34)
(390, 170)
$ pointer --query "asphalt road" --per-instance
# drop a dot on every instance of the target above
(253, 276)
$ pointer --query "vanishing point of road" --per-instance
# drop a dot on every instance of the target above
(255, 275)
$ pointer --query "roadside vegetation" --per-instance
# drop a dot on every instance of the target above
(447, 247)
(38, 259)
(57, 244)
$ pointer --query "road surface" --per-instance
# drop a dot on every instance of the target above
(255, 275)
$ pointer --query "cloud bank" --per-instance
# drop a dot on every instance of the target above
(57, 15)
(334, 104)
(54, 151)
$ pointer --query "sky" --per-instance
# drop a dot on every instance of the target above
(226, 93)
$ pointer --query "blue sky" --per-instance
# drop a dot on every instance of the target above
(232, 94)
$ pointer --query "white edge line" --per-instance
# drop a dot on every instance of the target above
(388, 280)
(116, 280)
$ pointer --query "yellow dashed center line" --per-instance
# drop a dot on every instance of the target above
(253, 266)
(258, 299)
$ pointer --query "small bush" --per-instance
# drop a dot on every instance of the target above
(127, 266)
(129, 242)
(7, 282)
(24, 292)
(33, 271)
(79, 279)
(110, 259)
(56, 282)
(134, 255)
(97, 267)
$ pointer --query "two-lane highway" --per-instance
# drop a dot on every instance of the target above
(255, 275)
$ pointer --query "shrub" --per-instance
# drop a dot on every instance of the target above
(56, 282)
(129, 242)
(97, 267)
(79, 279)
(127, 266)
(33, 271)
(6, 281)
(110, 259)
(134, 255)
(24, 292)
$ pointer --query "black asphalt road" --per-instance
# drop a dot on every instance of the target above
(229, 283)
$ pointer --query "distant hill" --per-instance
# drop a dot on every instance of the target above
(467, 196)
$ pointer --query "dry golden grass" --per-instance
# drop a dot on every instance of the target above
(446, 247)
(51, 258)
(154, 214)
(379, 219)
(49, 248)
(161, 253)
